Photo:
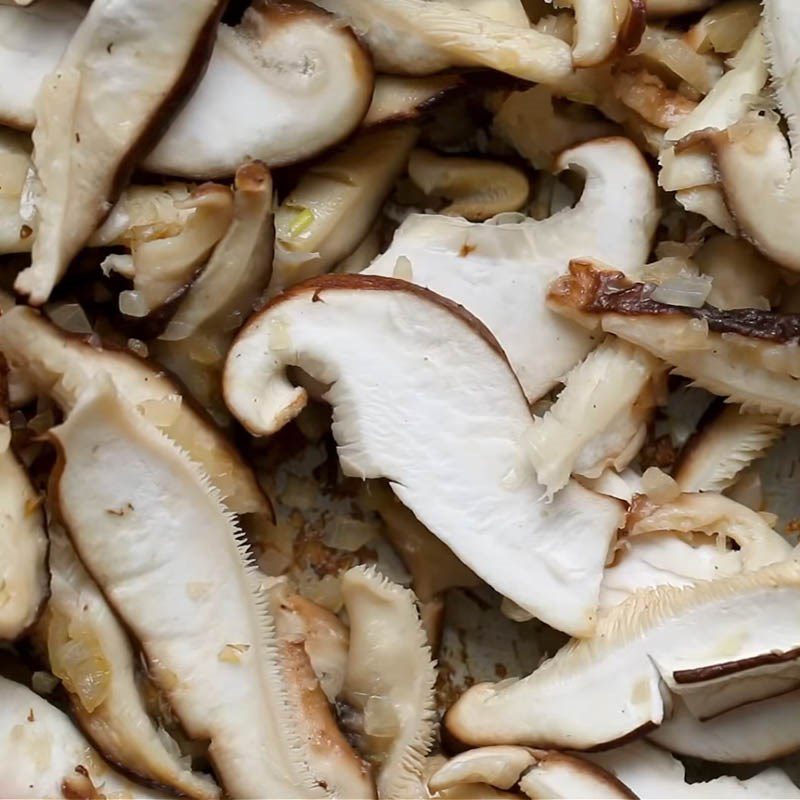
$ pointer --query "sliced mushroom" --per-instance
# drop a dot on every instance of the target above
(44, 754)
(647, 95)
(332, 760)
(134, 506)
(604, 690)
(479, 188)
(83, 129)
(499, 270)
(225, 292)
(708, 202)
(421, 37)
(89, 650)
(63, 366)
(728, 443)
(650, 772)
(406, 367)
(724, 28)
(752, 734)
(600, 417)
(399, 99)
(24, 582)
(748, 356)
(510, 11)
(14, 162)
(390, 678)
(332, 208)
(257, 99)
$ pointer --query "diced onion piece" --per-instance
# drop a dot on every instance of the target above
(279, 338)
(350, 534)
(139, 347)
(402, 269)
(43, 682)
(132, 304)
(70, 317)
(176, 331)
(161, 412)
(659, 487)
(300, 493)
(689, 291)
(380, 717)
(514, 612)
(5, 438)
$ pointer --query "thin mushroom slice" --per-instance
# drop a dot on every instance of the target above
(725, 445)
(154, 58)
(755, 733)
(88, 649)
(390, 678)
(407, 367)
(14, 162)
(223, 295)
(499, 270)
(332, 760)
(650, 772)
(600, 691)
(399, 98)
(24, 582)
(152, 532)
(421, 37)
(479, 189)
(748, 356)
(45, 755)
(63, 366)
(600, 416)
(723, 29)
(332, 208)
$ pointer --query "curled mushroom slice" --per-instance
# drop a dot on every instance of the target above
(647, 95)
(650, 772)
(399, 98)
(390, 678)
(725, 445)
(595, 692)
(746, 355)
(63, 366)
(499, 270)
(24, 582)
(332, 208)
(479, 188)
(499, 766)
(227, 289)
(332, 761)
(406, 367)
(44, 754)
(420, 37)
(600, 417)
(89, 650)
(154, 58)
(140, 514)
(751, 734)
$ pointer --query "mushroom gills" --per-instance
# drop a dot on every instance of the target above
(89, 650)
(399, 363)
(154, 57)
(731, 637)
(44, 754)
(499, 270)
(24, 582)
(390, 679)
(63, 366)
(139, 513)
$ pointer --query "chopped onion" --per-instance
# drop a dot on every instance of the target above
(176, 331)
(279, 338)
(402, 269)
(139, 347)
(326, 592)
(121, 263)
(69, 317)
(514, 612)
(350, 534)
(5, 438)
(161, 412)
(689, 291)
(659, 487)
(233, 653)
(43, 682)
(507, 218)
(300, 493)
(380, 717)
(132, 304)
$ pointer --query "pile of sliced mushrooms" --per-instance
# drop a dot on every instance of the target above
(397, 399)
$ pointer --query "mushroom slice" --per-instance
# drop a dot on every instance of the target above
(647, 95)
(332, 208)
(595, 692)
(399, 98)
(420, 37)
(723, 29)
(650, 772)
(63, 366)
(539, 773)
(24, 582)
(154, 57)
(285, 84)
(332, 760)
(730, 442)
(479, 188)
(405, 369)
(89, 650)
(751, 734)
(14, 162)
(390, 678)
(708, 202)
(499, 270)
(746, 355)
(152, 532)
(225, 292)
(44, 754)
(32, 41)
(583, 430)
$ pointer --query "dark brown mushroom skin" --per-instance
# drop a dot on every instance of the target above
(590, 291)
